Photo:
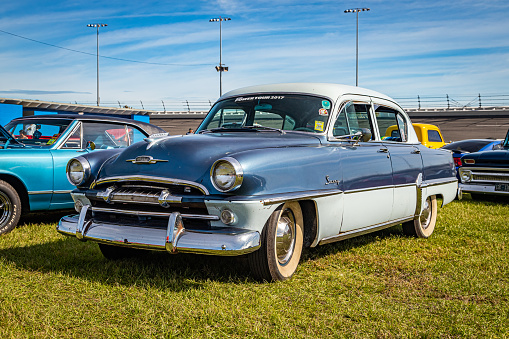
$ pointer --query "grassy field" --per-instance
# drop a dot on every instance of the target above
(383, 285)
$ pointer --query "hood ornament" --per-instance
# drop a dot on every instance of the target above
(145, 160)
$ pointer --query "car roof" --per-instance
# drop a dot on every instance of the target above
(148, 128)
(332, 91)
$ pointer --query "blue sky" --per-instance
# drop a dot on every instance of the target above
(407, 48)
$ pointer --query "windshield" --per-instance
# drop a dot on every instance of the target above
(269, 111)
(37, 132)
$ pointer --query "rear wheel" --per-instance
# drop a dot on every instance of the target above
(10, 207)
(111, 252)
(281, 244)
(424, 225)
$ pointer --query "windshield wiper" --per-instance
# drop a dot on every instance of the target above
(265, 128)
(225, 129)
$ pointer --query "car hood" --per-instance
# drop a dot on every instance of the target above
(497, 158)
(190, 157)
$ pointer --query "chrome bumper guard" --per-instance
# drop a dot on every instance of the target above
(221, 241)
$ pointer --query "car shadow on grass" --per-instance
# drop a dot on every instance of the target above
(83, 260)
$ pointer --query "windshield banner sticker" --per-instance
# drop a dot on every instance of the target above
(265, 97)
(319, 125)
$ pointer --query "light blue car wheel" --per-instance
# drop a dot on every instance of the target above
(10, 207)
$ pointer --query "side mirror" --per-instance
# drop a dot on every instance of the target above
(498, 146)
(90, 145)
(365, 135)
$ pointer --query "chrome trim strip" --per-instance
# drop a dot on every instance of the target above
(364, 230)
(373, 188)
(49, 192)
(299, 196)
(40, 192)
(154, 214)
(169, 181)
(436, 182)
(62, 192)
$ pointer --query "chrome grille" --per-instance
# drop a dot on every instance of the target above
(487, 175)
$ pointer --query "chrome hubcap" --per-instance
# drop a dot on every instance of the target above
(285, 237)
(5, 208)
(425, 217)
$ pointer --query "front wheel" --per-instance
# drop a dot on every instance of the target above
(281, 244)
(424, 225)
(10, 207)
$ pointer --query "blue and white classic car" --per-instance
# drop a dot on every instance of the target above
(34, 156)
(271, 170)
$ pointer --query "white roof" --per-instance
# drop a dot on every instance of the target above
(332, 91)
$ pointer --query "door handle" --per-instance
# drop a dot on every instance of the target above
(383, 150)
(416, 151)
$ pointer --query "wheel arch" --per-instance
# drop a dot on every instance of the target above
(309, 214)
(20, 188)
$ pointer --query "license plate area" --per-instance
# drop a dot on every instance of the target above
(502, 187)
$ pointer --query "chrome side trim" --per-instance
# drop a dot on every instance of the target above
(40, 192)
(364, 230)
(161, 180)
(50, 192)
(436, 182)
(153, 214)
(62, 192)
(374, 188)
(299, 196)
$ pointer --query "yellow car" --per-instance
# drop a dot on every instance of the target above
(429, 135)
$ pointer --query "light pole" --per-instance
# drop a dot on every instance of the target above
(220, 68)
(356, 11)
(97, 26)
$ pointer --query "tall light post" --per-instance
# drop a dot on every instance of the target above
(97, 26)
(220, 68)
(356, 11)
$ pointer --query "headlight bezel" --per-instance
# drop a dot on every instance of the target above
(86, 170)
(238, 174)
(465, 175)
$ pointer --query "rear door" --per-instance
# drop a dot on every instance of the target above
(405, 158)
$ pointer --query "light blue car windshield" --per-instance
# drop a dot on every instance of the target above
(37, 133)
(281, 111)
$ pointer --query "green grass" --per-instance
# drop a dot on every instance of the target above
(384, 285)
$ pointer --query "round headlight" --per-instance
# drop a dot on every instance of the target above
(78, 171)
(226, 174)
(465, 176)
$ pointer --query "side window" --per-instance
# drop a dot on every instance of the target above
(74, 141)
(358, 118)
(434, 136)
(391, 124)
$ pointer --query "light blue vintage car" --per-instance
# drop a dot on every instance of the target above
(271, 170)
(34, 155)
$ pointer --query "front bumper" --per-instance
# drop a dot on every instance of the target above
(225, 241)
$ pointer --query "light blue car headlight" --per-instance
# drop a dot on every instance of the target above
(226, 174)
(78, 171)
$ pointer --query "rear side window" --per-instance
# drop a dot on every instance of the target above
(434, 136)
